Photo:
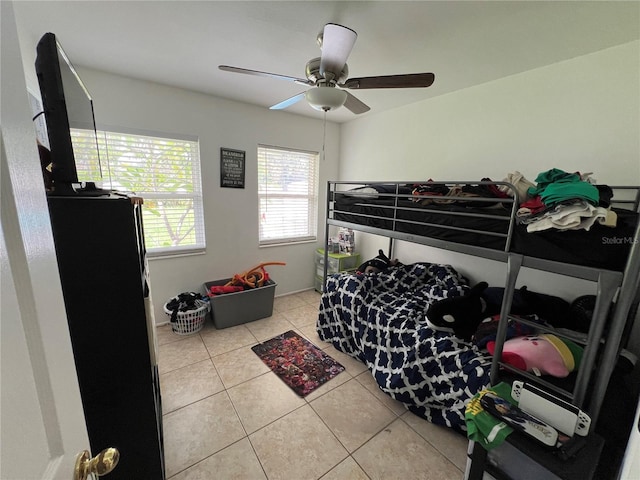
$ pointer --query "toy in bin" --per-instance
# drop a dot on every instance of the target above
(253, 278)
(245, 297)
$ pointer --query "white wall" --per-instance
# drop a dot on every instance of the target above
(580, 114)
(577, 115)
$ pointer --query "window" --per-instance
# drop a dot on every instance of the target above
(163, 171)
(288, 195)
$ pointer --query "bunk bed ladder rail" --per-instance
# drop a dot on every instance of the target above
(514, 262)
(628, 294)
(607, 286)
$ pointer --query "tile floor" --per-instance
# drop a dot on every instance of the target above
(227, 416)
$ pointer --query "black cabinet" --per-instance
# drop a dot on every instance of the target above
(101, 257)
(520, 458)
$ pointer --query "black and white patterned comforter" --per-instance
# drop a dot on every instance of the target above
(380, 319)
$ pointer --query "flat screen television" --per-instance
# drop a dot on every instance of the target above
(70, 121)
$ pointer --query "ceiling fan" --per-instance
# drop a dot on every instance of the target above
(329, 75)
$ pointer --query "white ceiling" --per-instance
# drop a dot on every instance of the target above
(181, 43)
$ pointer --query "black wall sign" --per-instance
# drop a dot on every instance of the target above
(232, 168)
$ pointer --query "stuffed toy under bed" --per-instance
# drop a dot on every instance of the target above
(380, 319)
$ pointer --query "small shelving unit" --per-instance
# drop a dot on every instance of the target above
(335, 263)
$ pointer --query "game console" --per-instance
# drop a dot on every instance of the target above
(519, 420)
(558, 413)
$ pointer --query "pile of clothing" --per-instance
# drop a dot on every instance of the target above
(439, 193)
(184, 302)
(565, 201)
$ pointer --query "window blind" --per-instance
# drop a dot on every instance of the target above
(288, 195)
(165, 172)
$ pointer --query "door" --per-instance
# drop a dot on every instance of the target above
(43, 426)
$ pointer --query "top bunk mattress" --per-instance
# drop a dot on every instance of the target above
(488, 223)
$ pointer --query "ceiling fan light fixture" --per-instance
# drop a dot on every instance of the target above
(330, 71)
(325, 98)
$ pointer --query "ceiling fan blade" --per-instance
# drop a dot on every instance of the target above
(411, 80)
(337, 43)
(246, 71)
(354, 105)
(288, 102)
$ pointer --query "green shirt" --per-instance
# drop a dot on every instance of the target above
(482, 427)
(555, 186)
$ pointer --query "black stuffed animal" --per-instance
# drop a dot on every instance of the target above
(460, 315)
(377, 264)
(554, 310)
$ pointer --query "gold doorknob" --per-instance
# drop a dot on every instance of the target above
(99, 465)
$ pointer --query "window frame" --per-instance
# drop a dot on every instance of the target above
(311, 197)
(196, 195)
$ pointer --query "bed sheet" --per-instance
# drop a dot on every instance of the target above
(379, 318)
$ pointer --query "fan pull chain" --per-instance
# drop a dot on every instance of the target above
(324, 134)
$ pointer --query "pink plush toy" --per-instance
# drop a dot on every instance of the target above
(541, 354)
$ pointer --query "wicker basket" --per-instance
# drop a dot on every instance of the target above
(191, 321)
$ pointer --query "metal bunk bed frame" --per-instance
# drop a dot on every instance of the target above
(612, 286)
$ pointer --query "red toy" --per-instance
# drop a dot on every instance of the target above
(220, 289)
(254, 277)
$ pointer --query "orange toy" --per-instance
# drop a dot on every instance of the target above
(254, 277)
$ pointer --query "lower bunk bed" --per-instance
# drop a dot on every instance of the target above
(381, 318)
